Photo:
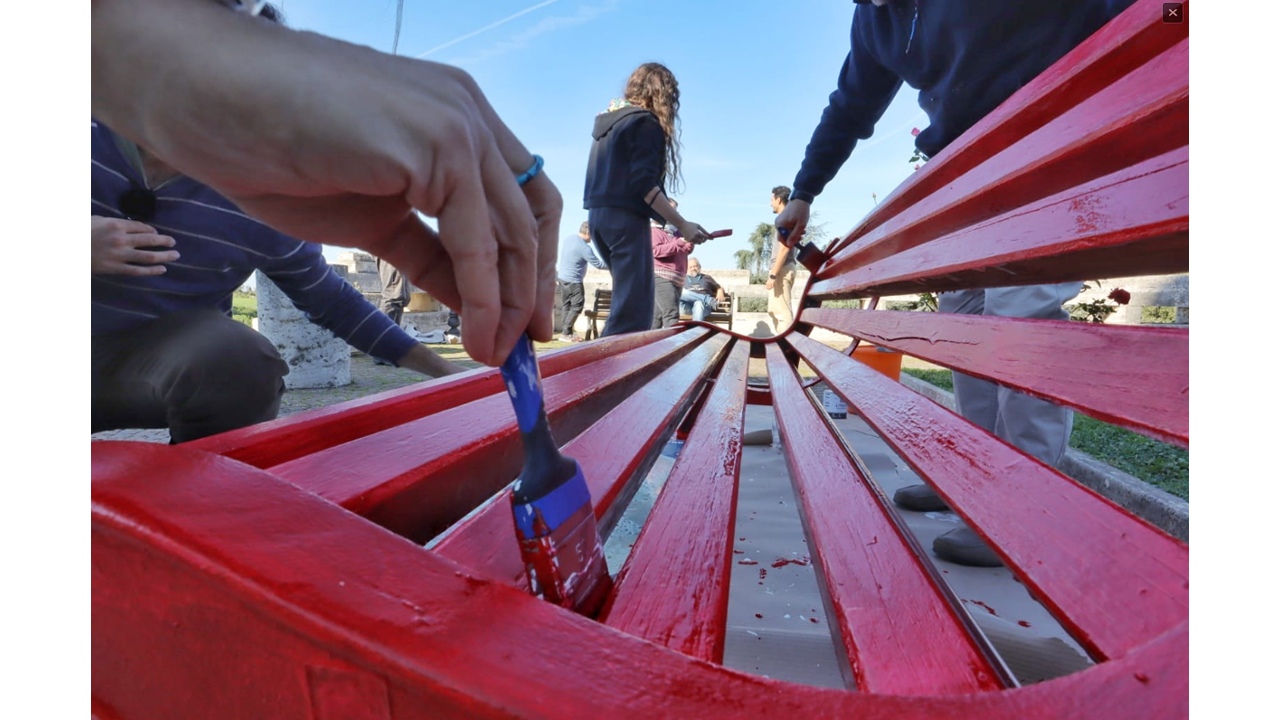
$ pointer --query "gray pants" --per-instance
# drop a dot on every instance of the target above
(624, 243)
(196, 372)
(666, 303)
(395, 291)
(1037, 427)
(572, 299)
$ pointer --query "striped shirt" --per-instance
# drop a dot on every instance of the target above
(220, 247)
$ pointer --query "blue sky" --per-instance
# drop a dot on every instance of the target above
(754, 77)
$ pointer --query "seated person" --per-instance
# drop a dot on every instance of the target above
(701, 292)
(167, 254)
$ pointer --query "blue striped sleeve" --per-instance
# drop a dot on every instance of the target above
(332, 303)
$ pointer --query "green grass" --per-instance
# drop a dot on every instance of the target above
(1151, 461)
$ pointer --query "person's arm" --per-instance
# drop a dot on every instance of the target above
(332, 303)
(422, 359)
(648, 148)
(863, 92)
(335, 142)
(666, 245)
(779, 261)
(589, 252)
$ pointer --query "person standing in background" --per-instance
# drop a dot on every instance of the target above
(782, 274)
(575, 255)
(635, 157)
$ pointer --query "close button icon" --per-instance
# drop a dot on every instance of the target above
(1173, 12)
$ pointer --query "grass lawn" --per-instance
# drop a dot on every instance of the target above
(244, 307)
(1152, 461)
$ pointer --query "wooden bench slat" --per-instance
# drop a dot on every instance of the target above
(288, 438)
(615, 454)
(899, 628)
(1132, 222)
(674, 588)
(240, 603)
(1121, 46)
(1058, 360)
(1141, 116)
(1114, 581)
(419, 477)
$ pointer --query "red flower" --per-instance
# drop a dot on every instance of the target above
(915, 132)
(917, 166)
(1120, 296)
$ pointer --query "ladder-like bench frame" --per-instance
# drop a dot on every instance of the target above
(278, 571)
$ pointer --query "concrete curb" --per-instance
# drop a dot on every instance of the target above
(1168, 512)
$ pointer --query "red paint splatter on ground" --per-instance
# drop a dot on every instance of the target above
(1024, 623)
(982, 605)
(763, 573)
(759, 615)
(813, 620)
(780, 562)
(747, 561)
(738, 552)
(741, 539)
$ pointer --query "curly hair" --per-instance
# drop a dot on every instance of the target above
(653, 87)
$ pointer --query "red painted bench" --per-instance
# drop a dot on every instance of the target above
(278, 571)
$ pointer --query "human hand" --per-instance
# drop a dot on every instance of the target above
(342, 144)
(118, 248)
(768, 285)
(694, 233)
(792, 222)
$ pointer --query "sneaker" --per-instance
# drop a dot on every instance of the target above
(921, 498)
(962, 546)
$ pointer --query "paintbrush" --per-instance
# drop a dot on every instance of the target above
(555, 522)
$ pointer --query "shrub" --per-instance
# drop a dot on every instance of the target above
(753, 304)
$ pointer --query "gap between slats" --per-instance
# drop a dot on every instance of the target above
(615, 454)
(1114, 581)
(899, 625)
(674, 587)
(1089, 367)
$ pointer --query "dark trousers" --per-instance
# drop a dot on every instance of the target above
(395, 291)
(623, 240)
(666, 303)
(572, 299)
(197, 372)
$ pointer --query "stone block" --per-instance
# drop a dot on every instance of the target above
(316, 357)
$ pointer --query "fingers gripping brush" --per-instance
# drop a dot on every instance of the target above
(555, 523)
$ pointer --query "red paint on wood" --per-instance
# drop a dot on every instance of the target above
(615, 454)
(418, 478)
(212, 598)
(897, 627)
(1115, 581)
(289, 438)
(1128, 223)
(1123, 45)
(674, 588)
(1143, 115)
(1135, 377)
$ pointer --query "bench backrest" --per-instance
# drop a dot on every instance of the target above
(602, 301)
(300, 584)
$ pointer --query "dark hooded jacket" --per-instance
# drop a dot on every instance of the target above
(964, 56)
(626, 160)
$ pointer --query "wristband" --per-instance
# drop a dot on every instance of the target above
(531, 173)
(773, 277)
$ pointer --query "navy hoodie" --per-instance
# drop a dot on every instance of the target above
(626, 161)
(964, 56)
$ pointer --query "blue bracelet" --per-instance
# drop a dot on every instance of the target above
(532, 172)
